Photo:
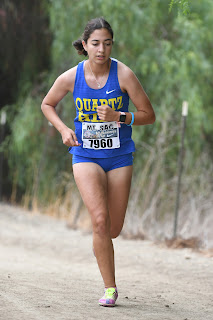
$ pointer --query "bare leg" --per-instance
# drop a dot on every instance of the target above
(92, 184)
(118, 188)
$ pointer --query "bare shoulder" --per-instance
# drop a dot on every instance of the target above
(67, 79)
(130, 83)
(125, 76)
(62, 85)
(124, 70)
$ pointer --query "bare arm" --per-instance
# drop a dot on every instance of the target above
(129, 83)
(63, 84)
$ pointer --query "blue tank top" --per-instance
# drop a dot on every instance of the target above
(98, 134)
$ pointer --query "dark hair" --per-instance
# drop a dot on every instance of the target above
(92, 25)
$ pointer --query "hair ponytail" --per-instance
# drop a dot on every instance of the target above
(79, 47)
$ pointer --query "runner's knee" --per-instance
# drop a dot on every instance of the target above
(101, 225)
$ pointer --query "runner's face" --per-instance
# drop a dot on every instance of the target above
(99, 46)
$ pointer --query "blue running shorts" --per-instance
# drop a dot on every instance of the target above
(107, 164)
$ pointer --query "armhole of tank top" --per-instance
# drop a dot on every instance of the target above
(77, 74)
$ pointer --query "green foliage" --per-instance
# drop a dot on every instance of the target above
(26, 141)
(183, 6)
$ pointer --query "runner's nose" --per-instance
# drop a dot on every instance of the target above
(101, 48)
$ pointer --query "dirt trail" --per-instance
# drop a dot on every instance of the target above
(48, 271)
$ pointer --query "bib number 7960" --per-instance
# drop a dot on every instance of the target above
(103, 143)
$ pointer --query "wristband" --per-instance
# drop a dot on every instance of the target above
(133, 119)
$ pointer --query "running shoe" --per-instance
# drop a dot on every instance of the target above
(109, 298)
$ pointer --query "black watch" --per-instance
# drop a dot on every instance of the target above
(122, 117)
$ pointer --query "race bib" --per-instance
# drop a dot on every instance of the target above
(100, 135)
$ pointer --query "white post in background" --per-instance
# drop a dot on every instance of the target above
(3, 118)
(3, 122)
(180, 165)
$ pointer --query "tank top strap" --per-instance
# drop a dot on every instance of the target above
(79, 77)
(113, 75)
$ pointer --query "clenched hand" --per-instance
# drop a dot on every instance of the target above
(107, 114)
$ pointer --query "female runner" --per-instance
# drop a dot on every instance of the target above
(101, 145)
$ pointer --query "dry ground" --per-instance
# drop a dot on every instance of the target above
(48, 271)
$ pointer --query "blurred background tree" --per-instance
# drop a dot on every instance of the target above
(25, 55)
